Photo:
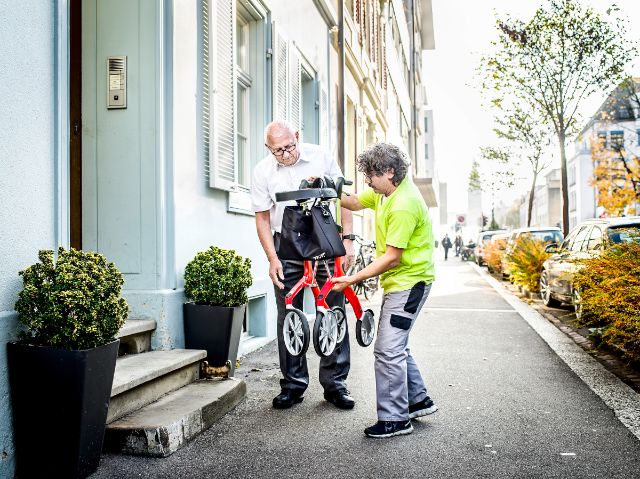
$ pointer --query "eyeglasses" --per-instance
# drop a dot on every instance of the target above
(281, 151)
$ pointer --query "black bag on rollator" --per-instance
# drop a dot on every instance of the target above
(309, 233)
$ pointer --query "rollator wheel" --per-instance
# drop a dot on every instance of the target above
(325, 333)
(341, 320)
(366, 329)
(295, 331)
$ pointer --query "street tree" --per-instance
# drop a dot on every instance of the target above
(498, 173)
(475, 184)
(527, 135)
(555, 61)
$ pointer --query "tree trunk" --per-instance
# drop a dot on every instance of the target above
(564, 184)
(531, 195)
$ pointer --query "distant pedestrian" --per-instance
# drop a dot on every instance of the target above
(404, 238)
(457, 243)
(446, 244)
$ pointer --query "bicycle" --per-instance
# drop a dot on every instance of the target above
(366, 255)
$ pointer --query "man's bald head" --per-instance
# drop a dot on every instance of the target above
(278, 131)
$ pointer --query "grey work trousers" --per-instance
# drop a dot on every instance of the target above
(398, 379)
(333, 368)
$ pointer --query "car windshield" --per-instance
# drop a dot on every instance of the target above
(625, 234)
(547, 236)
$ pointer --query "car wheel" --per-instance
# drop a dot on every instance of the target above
(545, 291)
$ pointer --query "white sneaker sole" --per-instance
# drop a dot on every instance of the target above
(403, 432)
(423, 412)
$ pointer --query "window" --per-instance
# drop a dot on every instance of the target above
(232, 109)
(617, 139)
(638, 137)
(572, 175)
(243, 100)
(572, 201)
(426, 151)
(595, 239)
(580, 238)
(602, 138)
(426, 125)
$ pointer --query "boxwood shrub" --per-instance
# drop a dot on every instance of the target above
(218, 277)
(72, 301)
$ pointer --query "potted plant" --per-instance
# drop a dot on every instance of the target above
(61, 369)
(216, 283)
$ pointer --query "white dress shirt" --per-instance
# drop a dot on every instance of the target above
(269, 178)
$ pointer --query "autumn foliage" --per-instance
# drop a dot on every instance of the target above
(493, 253)
(525, 260)
(616, 176)
(610, 290)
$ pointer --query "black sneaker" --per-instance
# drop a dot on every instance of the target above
(383, 429)
(423, 408)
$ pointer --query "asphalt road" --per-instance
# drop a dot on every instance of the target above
(509, 407)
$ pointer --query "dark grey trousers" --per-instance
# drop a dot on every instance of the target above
(334, 368)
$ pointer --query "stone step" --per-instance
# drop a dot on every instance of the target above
(141, 379)
(163, 427)
(135, 336)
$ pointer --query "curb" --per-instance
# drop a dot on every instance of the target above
(622, 399)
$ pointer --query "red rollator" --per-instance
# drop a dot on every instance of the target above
(309, 233)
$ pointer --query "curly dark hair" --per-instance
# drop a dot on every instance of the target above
(381, 158)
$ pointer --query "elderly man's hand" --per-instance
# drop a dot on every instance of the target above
(275, 272)
(350, 256)
(341, 282)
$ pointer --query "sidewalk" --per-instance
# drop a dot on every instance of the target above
(509, 407)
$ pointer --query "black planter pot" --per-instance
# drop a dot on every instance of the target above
(59, 400)
(216, 329)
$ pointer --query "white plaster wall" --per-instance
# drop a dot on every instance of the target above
(201, 217)
(26, 166)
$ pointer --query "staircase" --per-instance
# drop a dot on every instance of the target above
(158, 403)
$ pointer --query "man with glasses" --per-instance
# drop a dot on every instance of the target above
(289, 163)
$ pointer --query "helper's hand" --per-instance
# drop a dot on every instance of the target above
(341, 282)
(275, 272)
(347, 261)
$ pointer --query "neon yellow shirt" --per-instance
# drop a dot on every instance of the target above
(402, 221)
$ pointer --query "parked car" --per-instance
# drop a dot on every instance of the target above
(547, 234)
(483, 238)
(583, 241)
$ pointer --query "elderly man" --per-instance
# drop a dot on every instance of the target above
(289, 163)
(404, 240)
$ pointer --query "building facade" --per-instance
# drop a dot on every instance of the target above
(617, 125)
(547, 202)
(133, 128)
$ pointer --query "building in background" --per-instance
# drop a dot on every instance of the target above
(151, 182)
(547, 202)
(616, 122)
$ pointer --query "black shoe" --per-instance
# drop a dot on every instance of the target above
(287, 398)
(422, 408)
(340, 399)
(383, 429)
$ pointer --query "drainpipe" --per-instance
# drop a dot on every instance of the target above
(341, 95)
(412, 87)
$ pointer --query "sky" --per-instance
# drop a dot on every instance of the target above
(464, 30)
